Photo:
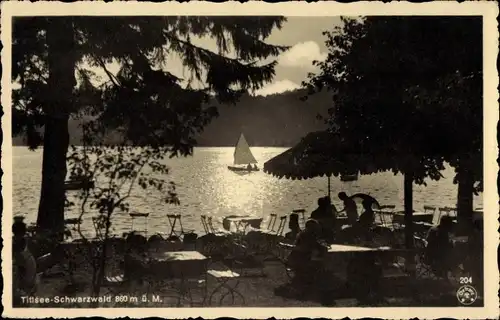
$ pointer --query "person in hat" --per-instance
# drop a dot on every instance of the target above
(301, 257)
(438, 253)
(350, 208)
(293, 225)
(24, 263)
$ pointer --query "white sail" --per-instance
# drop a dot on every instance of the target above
(242, 153)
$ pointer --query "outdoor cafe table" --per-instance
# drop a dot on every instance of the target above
(340, 256)
(180, 265)
(242, 222)
(399, 217)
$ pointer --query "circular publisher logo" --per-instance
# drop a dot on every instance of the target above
(466, 295)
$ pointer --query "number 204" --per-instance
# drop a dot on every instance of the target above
(465, 280)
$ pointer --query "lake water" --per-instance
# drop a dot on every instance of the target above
(206, 186)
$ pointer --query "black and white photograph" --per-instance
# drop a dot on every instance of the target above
(240, 158)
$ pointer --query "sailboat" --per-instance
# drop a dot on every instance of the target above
(243, 157)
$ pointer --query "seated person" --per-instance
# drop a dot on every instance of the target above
(307, 244)
(24, 264)
(367, 218)
(350, 208)
(438, 252)
(325, 216)
(293, 225)
(322, 210)
(135, 256)
(328, 223)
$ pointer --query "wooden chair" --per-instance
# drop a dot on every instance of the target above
(281, 226)
(423, 269)
(430, 209)
(227, 281)
(284, 250)
(246, 259)
(450, 211)
(272, 222)
(172, 220)
(139, 215)
(211, 225)
(205, 225)
(385, 210)
(302, 212)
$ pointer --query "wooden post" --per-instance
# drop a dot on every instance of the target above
(408, 205)
(328, 186)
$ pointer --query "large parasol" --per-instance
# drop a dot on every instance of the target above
(317, 154)
(327, 154)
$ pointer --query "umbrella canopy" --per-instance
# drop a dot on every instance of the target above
(319, 154)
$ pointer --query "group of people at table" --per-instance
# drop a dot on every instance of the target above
(323, 228)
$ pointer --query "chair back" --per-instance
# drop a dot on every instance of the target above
(419, 242)
(383, 211)
(429, 208)
(293, 222)
(172, 220)
(204, 223)
(272, 222)
(302, 212)
(210, 225)
(387, 207)
(281, 226)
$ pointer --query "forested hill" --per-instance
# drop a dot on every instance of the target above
(275, 120)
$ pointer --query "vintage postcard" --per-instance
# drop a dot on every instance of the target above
(250, 160)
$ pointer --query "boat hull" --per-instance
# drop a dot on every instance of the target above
(239, 169)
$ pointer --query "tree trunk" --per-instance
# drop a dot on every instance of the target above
(465, 196)
(61, 65)
(408, 204)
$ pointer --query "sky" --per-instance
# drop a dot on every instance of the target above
(302, 34)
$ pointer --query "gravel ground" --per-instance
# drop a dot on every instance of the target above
(268, 291)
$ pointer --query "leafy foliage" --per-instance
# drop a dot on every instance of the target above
(54, 59)
(143, 94)
(116, 171)
(399, 89)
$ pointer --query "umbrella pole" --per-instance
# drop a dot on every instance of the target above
(328, 186)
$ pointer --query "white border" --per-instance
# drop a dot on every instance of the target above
(489, 11)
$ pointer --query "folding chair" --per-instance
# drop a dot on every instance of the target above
(205, 225)
(302, 212)
(423, 269)
(138, 215)
(430, 209)
(172, 220)
(281, 226)
(210, 225)
(227, 281)
(246, 257)
(284, 250)
(272, 222)
(445, 211)
(385, 210)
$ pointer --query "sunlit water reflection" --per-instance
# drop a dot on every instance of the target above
(206, 186)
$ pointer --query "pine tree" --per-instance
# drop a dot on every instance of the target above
(53, 62)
